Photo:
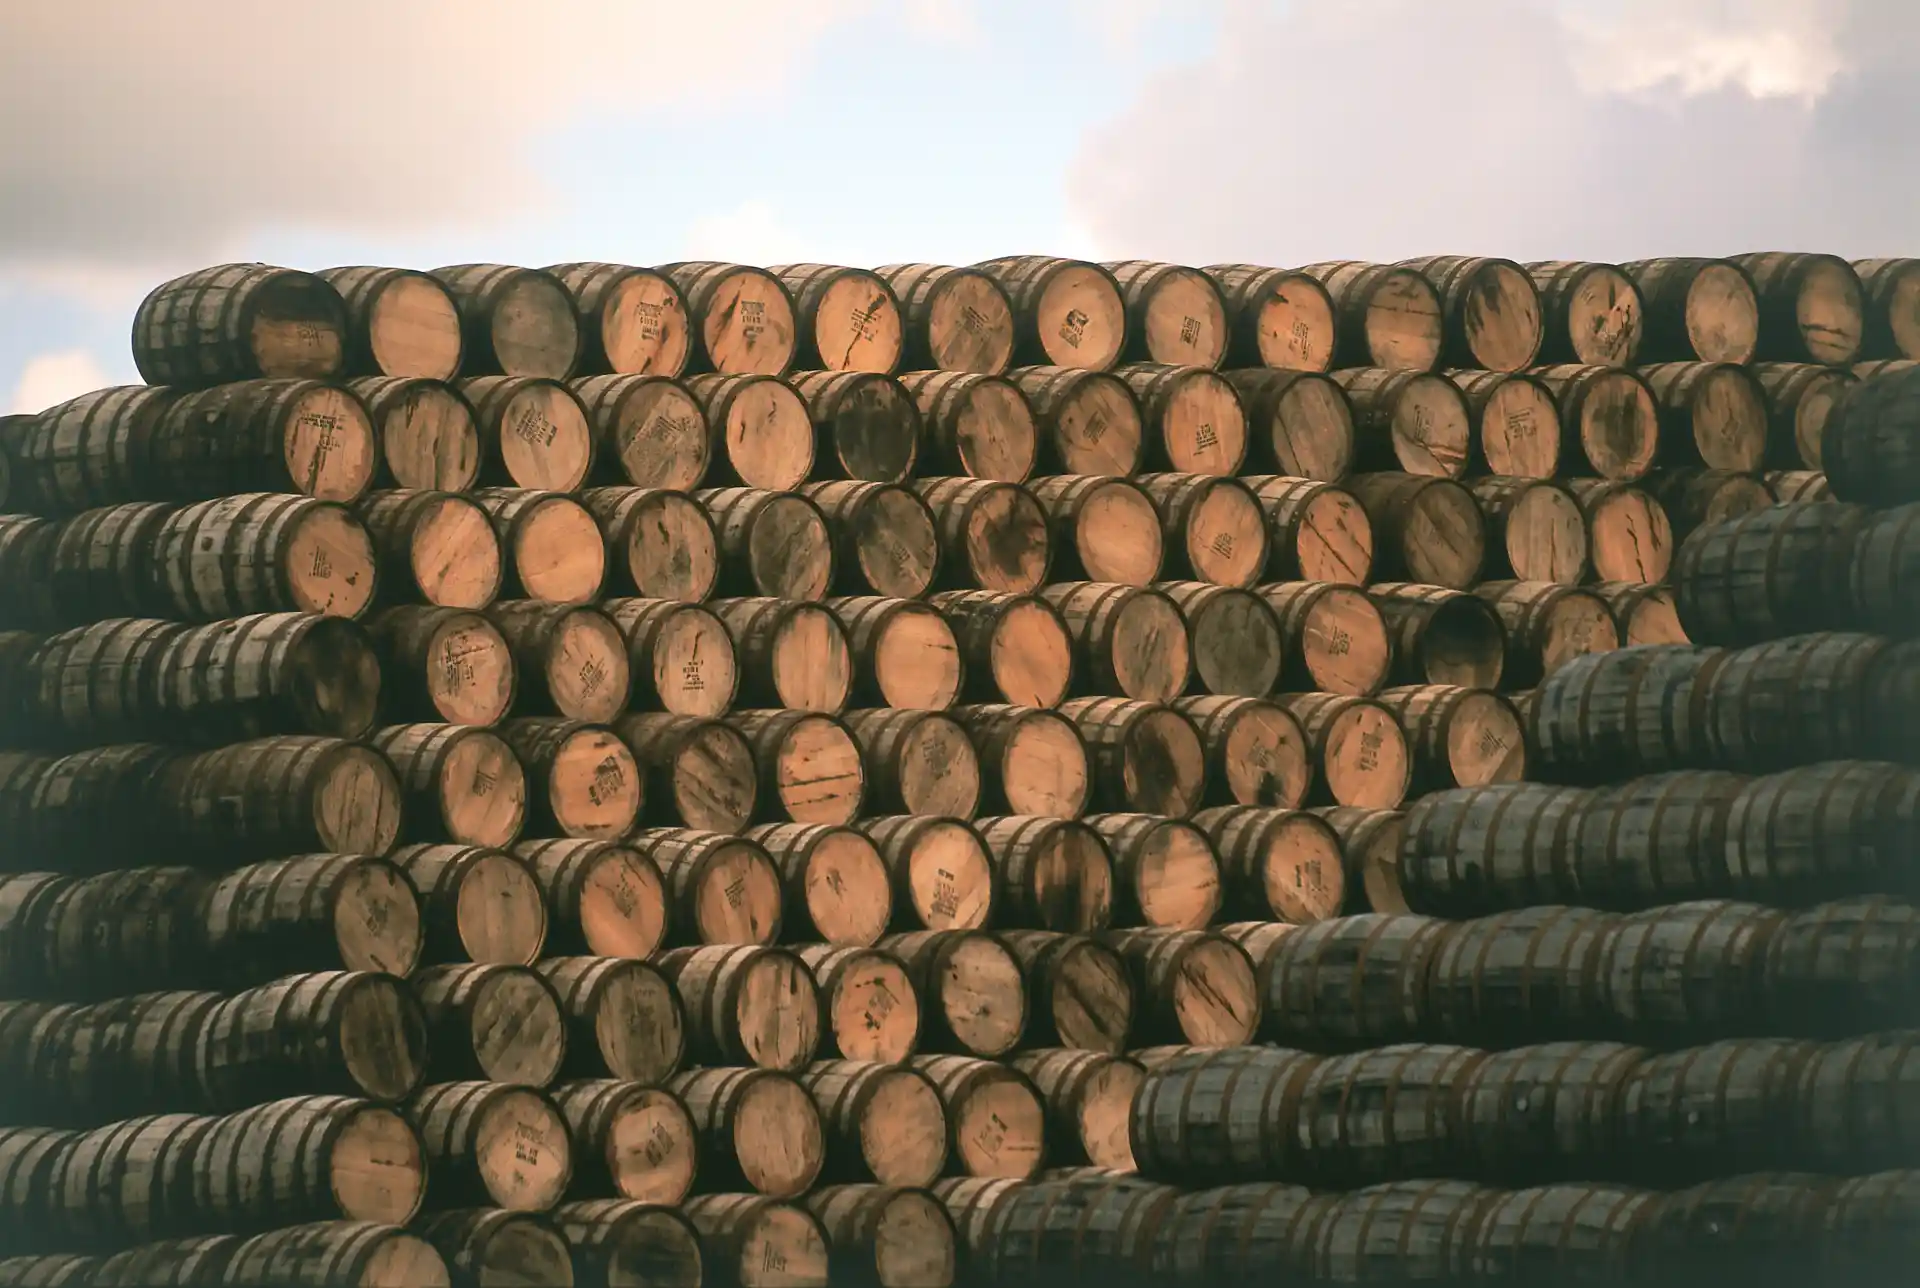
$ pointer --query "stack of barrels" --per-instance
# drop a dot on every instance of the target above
(939, 775)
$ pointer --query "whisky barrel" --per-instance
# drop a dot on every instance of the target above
(746, 1005)
(1518, 977)
(632, 320)
(551, 547)
(1821, 832)
(953, 320)
(315, 912)
(631, 1141)
(1547, 626)
(1864, 446)
(492, 1023)
(1278, 318)
(940, 872)
(917, 762)
(1890, 304)
(835, 887)
(1536, 531)
(1300, 423)
(92, 685)
(1347, 982)
(1066, 312)
(1700, 1113)
(259, 552)
(699, 773)
(1088, 421)
(973, 997)
(1577, 1233)
(1643, 614)
(84, 453)
(761, 433)
(1237, 643)
(1254, 1230)
(603, 899)
(680, 656)
(1458, 737)
(660, 543)
(1049, 873)
(1843, 967)
(1656, 840)
(1790, 486)
(742, 318)
(1077, 990)
(1210, 1117)
(1127, 640)
(1194, 987)
(1370, 841)
(757, 1130)
(1703, 310)
(1590, 313)
(1277, 865)
(86, 1064)
(27, 548)
(749, 1241)
(585, 781)
(1194, 420)
(96, 565)
(1801, 397)
(1386, 316)
(1256, 751)
(1711, 414)
(974, 424)
(1334, 638)
(399, 323)
(888, 1237)
(622, 1018)
(434, 548)
(260, 674)
(848, 319)
(1886, 556)
(348, 1033)
(871, 1012)
(29, 1158)
(723, 890)
(1014, 648)
(481, 1245)
(237, 322)
(534, 433)
(1491, 309)
(791, 653)
(491, 1144)
(882, 1122)
(1792, 701)
(885, 539)
(1408, 420)
(1101, 529)
(624, 1241)
(276, 796)
(442, 664)
(1767, 574)
(169, 1262)
(1145, 757)
(1481, 850)
(1174, 315)
(1812, 307)
(992, 535)
(1413, 1231)
(1383, 1115)
(1166, 874)
(478, 905)
(1213, 529)
(1030, 761)
(1516, 423)
(1691, 969)
(97, 933)
(996, 1118)
(1089, 1099)
(1359, 751)
(649, 431)
(72, 813)
(1875, 369)
(514, 321)
(362, 1253)
(1609, 419)
(1316, 532)
(1427, 530)
(771, 543)
(904, 653)
(868, 425)
(425, 434)
(809, 766)
(1847, 1117)
(1868, 1227)
(1639, 710)
(1758, 1228)
(569, 660)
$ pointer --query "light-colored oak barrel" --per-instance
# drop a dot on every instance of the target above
(1360, 752)
(771, 543)
(974, 424)
(434, 548)
(1703, 310)
(622, 1018)
(1416, 421)
(1523, 976)
(992, 535)
(809, 766)
(632, 320)
(479, 905)
(1066, 312)
(631, 1141)
(1441, 636)
(1609, 419)
(348, 1033)
(1344, 983)
(1256, 752)
(1301, 424)
(514, 321)
(835, 885)
(699, 772)
(790, 653)
(1801, 397)
(1238, 648)
(995, 1115)
(749, 1241)
(483, 1245)
(1590, 313)
(1458, 737)
(584, 781)
(1126, 640)
(1213, 529)
(1491, 308)
(954, 319)
(534, 432)
(742, 318)
(1030, 761)
(399, 323)
(1089, 421)
(603, 899)
(1333, 638)
(1193, 987)
(883, 1122)
(1516, 422)
(1536, 531)
(1101, 529)
(1790, 486)
(1145, 757)
(236, 322)
(490, 1022)
(1547, 626)
(660, 544)
(1277, 318)
(569, 660)
(746, 1005)
(868, 1003)
(1049, 873)
(1629, 536)
(1644, 614)
(1369, 856)
(1711, 414)
(972, 993)
(550, 545)
(364, 1254)
(1689, 968)
(1078, 992)
(1812, 307)
(1165, 872)
(1193, 418)
(148, 923)
(1217, 1116)
(1015, 648)
(1386, 316)
(725, 890)
(649, 430)
(260, 674)
(1632, 711)
(1279, 865)
(892, 1238)
(1767, 574)
(1089, 1099)
(885, 540)
(314, 912)
(262, 552)
(492, 1144)
(680, 656)
(848, 318)
(1694, 498)
(1174, 315)
(632, 1243)
(904, 653)
(761, 433)
(757, 1129)
(290, 794)
(96, 565)
(1427, 530)
(1316, 532)
(442, 664)
(85, 452)
(917, 762)
(1420, 1229)
(1890, 305)
(867, 424)
(425, 434)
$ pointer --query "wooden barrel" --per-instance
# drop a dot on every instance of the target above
(1145, 757)
(1639, 710)
(1864, 447)
(1517, 977)
(1077, 989)
(569, 660)
(868, 425)
(1791, 701)
(1609, 419)
(993, 535)
(433, 547)
(723, 890)
(791, 653)
(1479, 850)
(1277, 318)
(1873, 370)
(892, 1238)
(742, 319)
(1767, 574)
(953, 319)
(649, 430)
(1890, 304)
(1370, 842)
(147, 921)
(251, 676)
(275, 796)
(1843, 967)
(348, 1033)
(1422, 1230)
(490, 1022)
(552, 547)
(624, 1241)
(835, 886)
(1166, 873)
(1803, 835)
(1208, 1117)
(746, 1005)
(622, 1017)
(1812, 307)
(918, 762)
(1066, 312)
(1089, 1099)
(603, 899)
(1643, 614)
(868, 1002)
(1711, 414)
(1300, 423)
(1316, 532)
(1277, 865)
(1689, 968)
(1386, 316)
(995, 1116)
(1174, 315)
(974, 424)
(96, 565)
(1194, 987)
(315, 912)
(1847, 1117)
(1629, 536)
(681, 656)
(1250, 1230)
(632, 320)
(1049, 873)
(514, 321)
(1790, 486)
(491, 1144)
(1256, 751)
(586, 783)
(1801, 397)
(1334, 638)
(534, 433)
(940, 872)
(757, 1130)
(885, 539)
(1127, 640)
(1590, 313)
(1346, 982)
(904, 653)
(771, 543)
(1884, 550)
(1359, 751)
(1213, 529)
(399, 323)
(237, 322)
(972, 994)
(337, 1252)
(1030, 761)
(170, 1261)
(762, 434)
(1580, 1232)
(27, 548)
(1408, 420)
(1536, 531)
(1516, 423)
(882, 1122)
(1350, 1137)
(1428, 530)
(480, 905)
(1014, 648)
(1868, 1227)
(1458, 737)
(1700, 1113)
(29, 1158)
(442, 664)
(660, 543)
(425, 434)
(1194, 420)
(84, 453)
(1759, 1228)
(747, 1241)
(1547, 626)
(482, 1246)
(97, 685)
(1704, 310)
(809, 766)
(699, 773)
(259, 552)
(848, 318)
(1089, 421)
(1101, 529)
(1491, 308)
(1237, 642)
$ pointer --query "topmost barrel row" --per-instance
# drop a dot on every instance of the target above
(246, 321)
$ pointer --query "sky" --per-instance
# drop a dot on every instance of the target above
(141, 140)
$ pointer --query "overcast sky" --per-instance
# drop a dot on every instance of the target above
(140, 139)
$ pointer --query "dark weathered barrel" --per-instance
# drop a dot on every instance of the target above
(1420, 1230)
(1257, 753)
(603, 899)
(1758, 1228)
(240, 322)
(1704, 1112)
(480, 1245)
(761, 434)
(1822, 832)
(1844, 967)
(835, 884)
(1868, 1229)
(1609, 419)
(1793, 701)
(650, 430)
(94, 936)
(1864, 448)
(623, 1019)
(291, 794)
(1491, 310)
(1415, 421)
(1427, 530)
(1252, 1231)
(632, 320)
(742, 318)
(889, 1237)
(315, 912)
(1481, 850)
(1220, 1116)
(1515, 977)
(534, 432)
(724, 890)
(1237, 643)
(1193, 987)
(1347, 982)
(1441, 636)
(1589, 312)
(493, 1145)
(1066, 312)
(1767, 574)
(1801, 397)
(1689, 971)
(1634, 710)
(515, 321)
(1547, 626)
(748, 1241)
(867, 425)
(1278, 318)
(1089, 421)
(992, 535)
(479, 905)
(1049, 873)
(955, 319)
(1383, 1115)
(1194, 420)
(344, 1252)
(746, 1005)
(1145, 757)
(1890, 301)
(1370, 841)
(1655, 840)
(349, 1033)
(771, 543)
(262, 552)
(399, 323)
(1101, 529)
(1886, 558)
(621, 1241)
(1386, 316)
(1581, 1233)
(974, 424)
(1702, 310)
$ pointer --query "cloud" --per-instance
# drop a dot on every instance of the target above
(1383, 129)
(750, 233)
(53, 378)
